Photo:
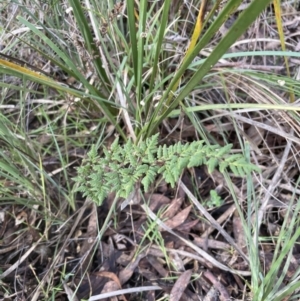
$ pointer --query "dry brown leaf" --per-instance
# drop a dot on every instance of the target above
(20, 218)
(180, 285)
(86, 250)
(177, 261)
(112, 286)
(178, 219)
(224, 296)
(238, 231)
(157, 266)
(127, 272)
(187, 226)
(70, 293)
(255, 135)
(156, 201)
(109, 275)
(150, 296)
(172, 208)
(94, 284)
(212, 295)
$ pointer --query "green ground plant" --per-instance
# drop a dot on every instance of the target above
(121, 168)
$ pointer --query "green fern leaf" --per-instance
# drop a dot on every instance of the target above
(233, 158)
(170, 151)
(165, 152)
(128, 188)
(117, 157)
(212, 164)
(159, 153)
(182, 163)
(152, 143)
(162, 169)
(222, 167)
(234, 169)
(149, 158)
(107, 153)
(223, 150)
(121, 168)
(178, 148)
(168, 176)
(115, 145)
(149, 177)
(141, 170)
(196, 160)
(92, 154)
(141, 148)
(101, 195)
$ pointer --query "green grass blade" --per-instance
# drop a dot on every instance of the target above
(86, 32)
(187, 60)
(132, 34)
(161, 33)
(140, 55)
(240, 26)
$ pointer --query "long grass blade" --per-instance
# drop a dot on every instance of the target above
(241, 24)
(278, 19)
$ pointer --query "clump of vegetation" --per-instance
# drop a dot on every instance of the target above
(214, 201)
(73, 73)
(122, 167)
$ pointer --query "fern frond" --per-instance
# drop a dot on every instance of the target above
(122, 167)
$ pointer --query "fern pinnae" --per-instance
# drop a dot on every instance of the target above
(222, 166)
(234, 169)
(152, 143)
(107, 154)
(233, 158)
(159, 152)
(178, 147)
(168, 176)
(115, 145)
(149, 177)
(196, 160)
(212, 164)
(182, 162)
(224, 150)
(141, 170)
(164, 151)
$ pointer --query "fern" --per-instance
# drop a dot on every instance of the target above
(122, 167)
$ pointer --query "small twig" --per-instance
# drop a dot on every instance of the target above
(125, 291)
